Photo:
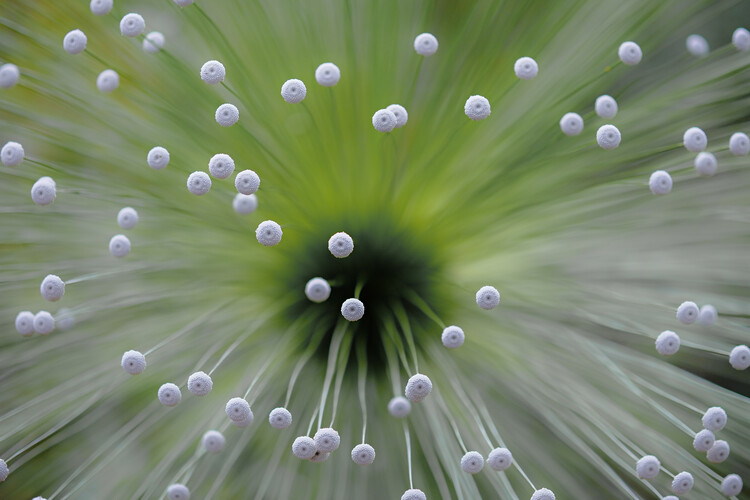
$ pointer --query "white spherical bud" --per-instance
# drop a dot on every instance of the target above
(682, 482)
(695, 139)
(352, 309)
(605, 106)
(247, 182)
(227, 115)
(384, 120)
(317, 290)
(500, 459)
(293, 91)
(119, 245)
(608, 137)
(488, 297)
(660, 182)
(25, 323)
(477, 107)
(739, 144)
(158, 158)
(571, 124)
(697, 45)
(320, 456)
(108, 80)
(52, 288)
(413, 494)
(169, 394)
(221, 166)
(399, 407)
(4, 471)
(543, 494)
(132, 25)
(400, 113)
(363, 454)
(418, 387)
(44, 323)
(719, 452)
(9, 75)
(714, 419)
(304, 447)
(213, 72)
(648, 467)
(340, 245)
(425, 44)
(183, 3)
(630, 53)
(74, 42)
(687, 313)
(44, 191)
(741, 39)
(327, 439)
(739, 358)
(704, 440)
(328, 74)
(199, 183)
(153, 42)
(127, 218)
(667, 343)
(213, 441)
(453, 337)
(280, 418)
(100, 7)
(178, 492)
(526, 68)
(245, 204)
(11, 154)
(200, 383)
(268, 233)
(705, 163)
(133, 362)
(472, 462)
(707, 315)
(731, 485)
(238, 410)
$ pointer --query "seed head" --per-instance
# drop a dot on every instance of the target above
(280, 418)
(741, 39)
(472, 462)
(133, 362)
(44, 323)
(418, 387)
(293, 91)
(687, 313)
(413, 494)
(11, 154)
(667, 343)
(268, 233)
(630, 53)
(327, 439)
(660, 182)
(739, 144)
(247, 182)
(682, 482)
(384, 120)
(707, 315)
(731, 485)
(317, 290)
(127, 218)
(178, 492)
(3, 470)
(488, 297)
(158, 158)
(571, 124)
(132, 25)
(200, 384)
(213, 72)
(153, 42)
(400, 113)
(648, 467)
(399, 407)
(714, 419)
(425, 44)
(74, 42)
(705, 164)
(500, 459)
(526, 68)
(477, 107)
(352, 309)
(119, 245)
(327, 74)
(100, 7)
(605, 106)
(245, 204)
(199, 183)
(44, 191)
(543, 494)
(304, 447)
(453, 337)
(694, 139)
(108, 80)
(9, 75)
(608, 137)
(719, 452)
(238, 410)
(227, 115)
(340, 245)
(52, 288)
(704, 440)
(221, 166)
(363, 454)
(213, 441)
(25, 323)
(169, 394)
(697, 45)
(739, 358)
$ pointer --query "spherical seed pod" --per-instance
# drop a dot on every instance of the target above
(227, 115)
(200, 383)
(543, 494)
(153, 42)
(687, 313)
(340, 245)
(245, 204)
(500, 459)
(169, 394)
(741, 39)
(132, 25)
(213, 441)
(682, 482)
(317, 290)
(739, 144)
(44, 191)
(605, 106)
(178, 492)
(384, 120)
(328, 74)
(268, 233)
(127, 218)
(108, 80)
(571, 124)
(4, 471)
(418, 387)
(719, 452)
(425, 44)
(630, 53)
(44, 323)
(472, 462)
(247, 182)
(238, 410)
(320, 456)
(213, 72)
(667, 343)
(133, 362)
(280, 418)
(695, 139)
(221, 166)
(400, 113)
(453, 337)
(293, 91)
(705, 164)
(327, 439)
(101, 7)
(12, 154)
(488, 297)
(660, 182)
(413, 494)
(119, 245)
(697, 45)
(199, 183)
(647, 467)
(703, 440)
(477, 107)
(9, 75)
(714, 419)
(608, 137)
(52, 288)
(352, 309)
(739, 358)
(707, 315)
(304, 447)
(183, 3)
(363, 454)
(158, 158)
(731, 485)
(25, 323)
(74, 42)
(526, 68)
(399, 407)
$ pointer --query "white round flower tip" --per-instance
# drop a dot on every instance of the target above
(169, 394)
(44, 191)
(153, 42)
(714, 419)
(682, 482)
(227, 115)
(739, 144)
(327, 439)
(363, 454)
(571, 124)
(413, 494)
(221, 166)
(384, 120)
(199, 183)
(741, 39)
(731, 485)
(268, 233)
(304, 447)
(74, 42)
(327, 74)
(608, 137)
(472, 462)
(488, 297)
(352, 309)
(127, 218)
(178, 492)
(340, 245)
(9, 75)
(25, 323)
(719, 452)
(280, 418)
(12, 154)
(697, 45)
(213, 72)
(500, 459)
(703, 440)
(695, 139)
(293, 91)
(247, 182)
(647, 467)
(707, 315)
(660, 182)
(320, 456)
(605, 106)
(213, 441)
(183, 3)
(453, 337)
(318, 290)
(543, 494)
(477, 107)
(245, 421)
(399, 407)
(200, 383)
(4, 471)
(132, 25)
(101, 7)
(119, 245)
(108, 80)
(705, 164)
(425, 44)
(44, 323)
(52, 288)
(526, 68)
(630, 53)
(667, 343)
(739, 358)
(245, 204)
(133, 362)
(687, 313)
(238, 410)
(418, 387)
(400, 113)
(157, 158)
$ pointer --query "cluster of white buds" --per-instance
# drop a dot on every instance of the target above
(44, 191)
(707, 315)
(169, 394)
(227, 115)
(425, 44)
(293, 91)
(25, 323)
(119, 245)
(12, 154)
(44, 323)
(133, 362)
(108, 80)
(74, 42)
(4, 471)
(268, 233)
(418, 387)
(239, 412)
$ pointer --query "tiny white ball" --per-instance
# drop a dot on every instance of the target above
(213, 72)
(707, 315)
(399, 407)
(488, 297)
(526, 68)
(667, 343)
(153, 42)
(608, 137)
(268, 233)
(12, 154)
(714, 419)
(413, 494)
(4, 471)
(318, 290)
(9, 75)
(340, 245)
(245, 421)
(108, 80)
(100, 7)
(127, 218)
(384, 120)
(327, 439)
(119, 245)
(363, 454)
(687, 312)
(183, 3)
(52, 288)
(221, 166)
(400, 113)
(247, 182)
(630, 53)
(200, 383)
(694, 139)
(133, 362)
(199, 183)
(293, 91)
(571, 124)
(327, 74)
(739, 358)
(731, 485)
(320, 456)
(472, 462)
(660, 182)
(44, 323)
(178, 492)
(453, 337)
(682, 482)
(418, 387)
(500, 459)
(74, 42)
(169, 394)
(719, 452)
(227, 115)
(352, 309)
(741, 39)
(648, 467)
(245, 204)
(477, 107)
(213, 441)
(703, 440)
(158, 158)
(304, 447)
(25, 323)
(44, 191)
(238, 410)
(606, 106)
(705, 163)
(132, 24)
(425, 44)
(543, 494)
(697, 45)
(280, 418)
(739, 144)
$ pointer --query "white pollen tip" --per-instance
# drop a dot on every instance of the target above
(280, 418)
(399, 407)
(630, 53)
(132, 25)
(238, 410)
(268, 233)
(425, 44)
(695, 140)
(571, 124)
(52, 288)
(687, 313)
(199, 183)
(488, 297)
(213, 441)
(526, 68)
(352, 309)
(453, 337)
(472, 462)
(327, 74)
(418, 387)
(293, 91)
(119, 245)
(178, 492)
(500, 459)
(648, 467)
(477, 107)
(327, 440)
(133, 362)
(340, 245)
(213, 72)
(317, 290)
(667, 343)
(363, 454)
(227, 115)
(200, 384)
(608, 137)
(169, 394)
(384, 120)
